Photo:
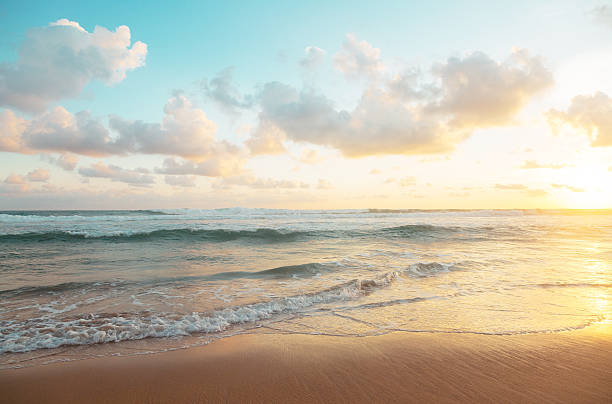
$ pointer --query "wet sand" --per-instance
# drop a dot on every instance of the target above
(567, 367)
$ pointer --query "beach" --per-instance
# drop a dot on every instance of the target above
(570, 367)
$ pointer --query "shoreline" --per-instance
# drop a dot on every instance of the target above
(398, 367)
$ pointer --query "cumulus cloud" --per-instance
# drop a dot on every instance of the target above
(532, 164)
(467, 94)
(266, 139)
(38, 175)
(591, 114)
(185, 131)
(57, 61)
(138, 177)
(358, 58)
(180, 181)
(66, 161)
(224, 93)
(478, 91)
(313, 56)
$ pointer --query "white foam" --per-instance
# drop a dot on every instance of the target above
(45, 332)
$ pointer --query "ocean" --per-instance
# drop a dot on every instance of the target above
(79, 284)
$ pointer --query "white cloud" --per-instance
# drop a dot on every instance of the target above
(313, 56)
(38, 175)
(468, 93)
(57, 61)
(358, 58)
(266, 139)
(185, 131)
(589, 113)
(478, 91)
(114, 173)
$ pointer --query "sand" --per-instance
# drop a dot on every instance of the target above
(567, 367)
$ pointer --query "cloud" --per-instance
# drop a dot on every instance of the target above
(358, 58)
(310, 156)
(14, 179)
(531, 164)
(536, 193)
(38, 175)
(180, 181)
(589, 113)
(221, 165)
(66, 161)
(60, 131)
(260, 183)
(477, 91)
(407, 181)
(324, 184)
(11, 128)
(603, 14)
(185, 131)
(523, 188)
(131, 177)
(568, 187)
(57, 61)
(469, 93)
(313, 56)
(224, 93)
(378, 125)
(266, 139)
(513, 187)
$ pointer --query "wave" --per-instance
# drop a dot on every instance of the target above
(80, 213)
(46, 332)
(221, 235)
(162, 234)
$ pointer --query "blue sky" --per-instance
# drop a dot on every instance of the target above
(263, 42)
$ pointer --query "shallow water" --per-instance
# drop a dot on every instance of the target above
(79, 283)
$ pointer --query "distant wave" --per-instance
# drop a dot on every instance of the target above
(82, 213)
(163, 234)
(221, 235)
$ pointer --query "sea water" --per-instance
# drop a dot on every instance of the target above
(75, 284)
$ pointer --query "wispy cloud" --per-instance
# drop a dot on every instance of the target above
(532, 164)
(114, 173)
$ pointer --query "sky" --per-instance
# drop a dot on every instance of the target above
(306, 105)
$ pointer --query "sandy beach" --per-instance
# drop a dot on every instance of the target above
(570, 367)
